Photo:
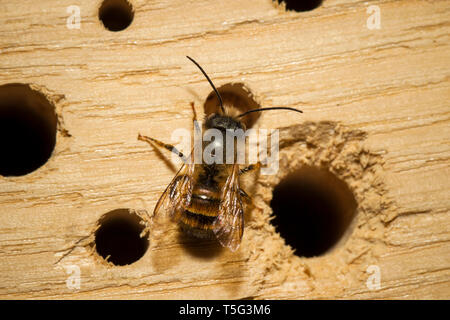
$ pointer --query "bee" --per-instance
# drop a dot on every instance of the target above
(206, 199)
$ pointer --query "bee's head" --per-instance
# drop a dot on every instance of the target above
(223, 122)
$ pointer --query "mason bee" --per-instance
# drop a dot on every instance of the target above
(206, 199)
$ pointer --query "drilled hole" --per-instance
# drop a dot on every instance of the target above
(27, 129)
(313, 209)
(116, 15)
(237, 96)
(301, 5)
(118, 238)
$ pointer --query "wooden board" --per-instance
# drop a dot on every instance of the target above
(376, 114)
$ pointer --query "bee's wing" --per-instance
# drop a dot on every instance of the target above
(178, 193)
(229, 224)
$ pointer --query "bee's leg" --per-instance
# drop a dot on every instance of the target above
(245, 196)
(247, 169)
(250, 168)
(194, 118)
(196, 140)
(169, 147)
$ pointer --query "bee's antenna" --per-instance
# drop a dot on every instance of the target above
(265, 109)
(210, 82)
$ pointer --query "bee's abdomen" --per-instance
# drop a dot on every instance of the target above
(199, 217)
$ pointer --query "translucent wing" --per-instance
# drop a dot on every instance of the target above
(178, 193)
(229, 224)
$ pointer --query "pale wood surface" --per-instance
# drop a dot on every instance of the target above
(391, 83)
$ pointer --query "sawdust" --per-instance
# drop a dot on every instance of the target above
(340, 150)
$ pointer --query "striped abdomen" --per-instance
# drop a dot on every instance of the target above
(199, 217)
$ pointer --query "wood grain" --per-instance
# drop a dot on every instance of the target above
(392, 84)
